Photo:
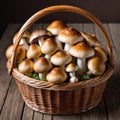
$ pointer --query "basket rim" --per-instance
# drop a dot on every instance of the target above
(63, 86)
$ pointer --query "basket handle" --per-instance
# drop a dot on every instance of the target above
(58, 8)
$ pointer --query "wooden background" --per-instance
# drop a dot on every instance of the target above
(18, 11)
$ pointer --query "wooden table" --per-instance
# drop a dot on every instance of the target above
(12, 106)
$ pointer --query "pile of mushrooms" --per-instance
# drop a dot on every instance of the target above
(59, 54)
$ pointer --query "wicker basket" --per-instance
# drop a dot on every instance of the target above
(65, 98)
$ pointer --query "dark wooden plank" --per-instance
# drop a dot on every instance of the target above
(6, 39)
(99, 35)
(4, 77)
(36, 25)
(112, 93)
(67, 117)
(77, 26)
(37, 116)
(13, 105)
(27, 113)
(47, 117)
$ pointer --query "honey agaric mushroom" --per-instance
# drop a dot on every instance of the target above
(9, 51)
(38, 35)
(72, 68)
(91, 39)
(25, 40)
(60, 58)
(82, 51)
(42, 66)
(49, 47)
(56, 75)
(69, 36)
(34, 52)
(100, 52)
(21, 52)
(96, 66)
(56, 26)
(26, 67)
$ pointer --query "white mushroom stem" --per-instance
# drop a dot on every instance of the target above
(81, 63)
(73, 79)
(42, 76)
(24, 43)
(67, 47)
(59, 44)
(72, 74)
(47, 56)
(40, 41)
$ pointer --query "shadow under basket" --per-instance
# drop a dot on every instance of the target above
(65, 98)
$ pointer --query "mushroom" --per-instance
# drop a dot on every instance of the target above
(49, 47)
(38, 35)
(56, 26)
(96, 66)
(82, 51)
(21, 52)
(34, 52)
(100, 52)
(42, 66)
(73, 79)
(24, 40)
(69, 36)
(56, 75)
(61, 58)
(9, 51)
(26, 67)
(71, 68)
(91, 39)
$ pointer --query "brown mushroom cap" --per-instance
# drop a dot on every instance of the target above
(91, 39)
(26, 35)
(56, 26)
(70, 36)
(56, 75)
(9, 51)
(26, 67)
(49, 46)
(71, 67)
(96, 66)
(42, 65)
(34, 51)
(100, 52)
(21, 52)
(61, 58)
(82, 50)
(37, 33)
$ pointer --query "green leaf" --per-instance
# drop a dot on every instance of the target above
(86, 76)
(18, 63)
(35, 76)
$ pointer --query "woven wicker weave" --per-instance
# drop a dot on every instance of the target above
(65, 98)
